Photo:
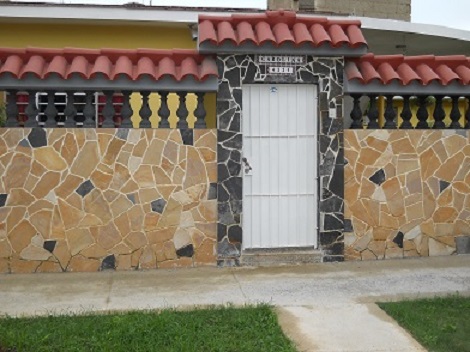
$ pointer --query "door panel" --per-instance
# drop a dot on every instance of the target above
(279, 193)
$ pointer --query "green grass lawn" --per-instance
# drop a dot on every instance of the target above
(217, 329)
(439, 324)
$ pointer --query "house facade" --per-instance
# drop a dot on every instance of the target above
(161, 138)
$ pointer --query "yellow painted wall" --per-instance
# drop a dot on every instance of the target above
(20, 35)
(112, 36)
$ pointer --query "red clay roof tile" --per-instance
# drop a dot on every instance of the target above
(279, 27)
(407, 69)
(111, 63)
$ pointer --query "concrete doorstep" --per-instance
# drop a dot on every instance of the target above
(322, 307)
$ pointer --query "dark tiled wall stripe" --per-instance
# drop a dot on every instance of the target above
(327, 73)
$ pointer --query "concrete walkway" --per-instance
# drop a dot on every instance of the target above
(322, 307)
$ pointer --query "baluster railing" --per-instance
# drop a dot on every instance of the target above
(356, 113)
(31, 110)
(145, 112)
(455, 113)
(200, 112)
(50, 114)
(164, 111)
(467, 114)
(390, 114)
(12, 109)
(406, 114)
(70, 111)
(422, 113)
(89, 111)
(439, 114)
(75, 109)
(182, 111)
(108, 110)
(126, 110)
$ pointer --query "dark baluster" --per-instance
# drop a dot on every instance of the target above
(89, 111)
(455, 113)
(467, 115)
(439, 114)
(182, 111)
(126, 111)
(164, 112)
(422, 113)
(108, 110)
(200, 111)
(390, 114)
(356, 113)
(406, 113)
(70, 111)
(373, 114)
(50, 114)
(145, 111)
(11, 110)
(79, 118)
(31, 110)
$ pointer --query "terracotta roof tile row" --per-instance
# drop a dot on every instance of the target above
(278, 28)
(408, 69)
(112, 63)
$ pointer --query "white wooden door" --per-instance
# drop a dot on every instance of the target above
(279, 143)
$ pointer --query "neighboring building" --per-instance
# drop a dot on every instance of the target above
(391, 9)
(196, 137)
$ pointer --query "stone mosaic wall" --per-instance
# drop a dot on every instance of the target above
(327, 73)
(86, 199)
(407, 193)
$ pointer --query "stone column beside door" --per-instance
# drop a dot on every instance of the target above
(327, 73)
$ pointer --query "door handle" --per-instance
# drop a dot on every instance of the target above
(248, 167)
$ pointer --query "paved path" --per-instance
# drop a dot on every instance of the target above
(323, 307)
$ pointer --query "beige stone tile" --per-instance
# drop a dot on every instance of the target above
(206, 253)
(437, 248)
(49, 267)
(20, 236)
(19, 266)
(450, 168)
(394, 253)
(403, 146)
(94, 251)
(112, 151)
(71, 216)
(363, 242)
(445, 215)
(17, 172)
(368, 255)
(108, 236)
(86, 160)
(78, 239)
(140, 148)
(79, 264)
(42, 221)
(69, 148)
(96, 204)
(5, 248)
(378, 248)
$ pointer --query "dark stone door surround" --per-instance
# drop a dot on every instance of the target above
(327, 74)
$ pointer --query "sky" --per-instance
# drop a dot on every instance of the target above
(454, 15)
